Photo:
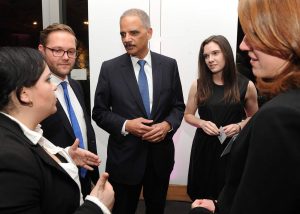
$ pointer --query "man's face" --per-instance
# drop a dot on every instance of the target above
(135, 36)
(59, 41)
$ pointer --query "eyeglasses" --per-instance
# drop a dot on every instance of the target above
(72, 53)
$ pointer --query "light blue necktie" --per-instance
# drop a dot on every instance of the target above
(143, 86)
(74, 122)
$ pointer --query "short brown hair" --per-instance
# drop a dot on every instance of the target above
(53, 28)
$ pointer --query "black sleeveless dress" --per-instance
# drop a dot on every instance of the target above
(207, 169)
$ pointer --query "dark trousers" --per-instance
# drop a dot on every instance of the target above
(154, 192)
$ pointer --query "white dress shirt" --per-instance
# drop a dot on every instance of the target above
(148, 71)
(75, 104)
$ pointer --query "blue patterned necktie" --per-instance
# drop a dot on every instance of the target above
(74, 122)
(143, 86)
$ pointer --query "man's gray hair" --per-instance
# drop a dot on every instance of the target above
(139, 13)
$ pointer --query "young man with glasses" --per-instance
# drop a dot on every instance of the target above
(58, 46)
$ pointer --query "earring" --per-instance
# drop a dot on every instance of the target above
(30, 104)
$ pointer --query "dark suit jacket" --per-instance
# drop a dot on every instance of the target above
(58, 130)
(264, 175)
(31, 181)
(117, 99)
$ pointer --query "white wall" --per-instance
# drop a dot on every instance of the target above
(179, 28)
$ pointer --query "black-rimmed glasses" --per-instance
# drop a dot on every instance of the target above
(72, 53)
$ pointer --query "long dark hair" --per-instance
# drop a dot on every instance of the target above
(19, 67)
(229, 74)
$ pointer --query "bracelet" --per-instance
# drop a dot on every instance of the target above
(240, 127)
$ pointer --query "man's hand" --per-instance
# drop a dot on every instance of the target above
(158, 133)
(103, 190)
(138, 126)
(82, 157)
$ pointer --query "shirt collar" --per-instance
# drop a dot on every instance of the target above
(33, 136)
(56, 80)
(36, 136)
(147, 59)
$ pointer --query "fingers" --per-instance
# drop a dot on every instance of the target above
(156, 135)
(75, 144)
(138, 126)
(88, 164)
(90, 160)
(91, 157)
(210, 128)
(146, 121)
(231, 129)
(102, 181)
(196, 203)
(87, 167)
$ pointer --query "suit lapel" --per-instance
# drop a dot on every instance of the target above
(38, 150)
(80, 97)
(131, 82)
(157, 81)
(64, 118)
(76, 90)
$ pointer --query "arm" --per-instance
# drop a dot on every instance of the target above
(270, 178)
(20, 179)
(251, 107)
(102, 113)
(173, 118)
(251, 104)
(82, 157)
(189, 115)
(101, 199)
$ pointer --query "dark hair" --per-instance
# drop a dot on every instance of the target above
(19, 67)
(54, 28)
(229, 74)
(272, 26)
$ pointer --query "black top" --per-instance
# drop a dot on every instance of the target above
(207, 169)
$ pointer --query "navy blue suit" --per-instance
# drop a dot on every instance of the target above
(58, 130)
(117, 99)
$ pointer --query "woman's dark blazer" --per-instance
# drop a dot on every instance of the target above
(31, 181)
(264, 175)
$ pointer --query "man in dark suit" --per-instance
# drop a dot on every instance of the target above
(141, 125)
(58, 46)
